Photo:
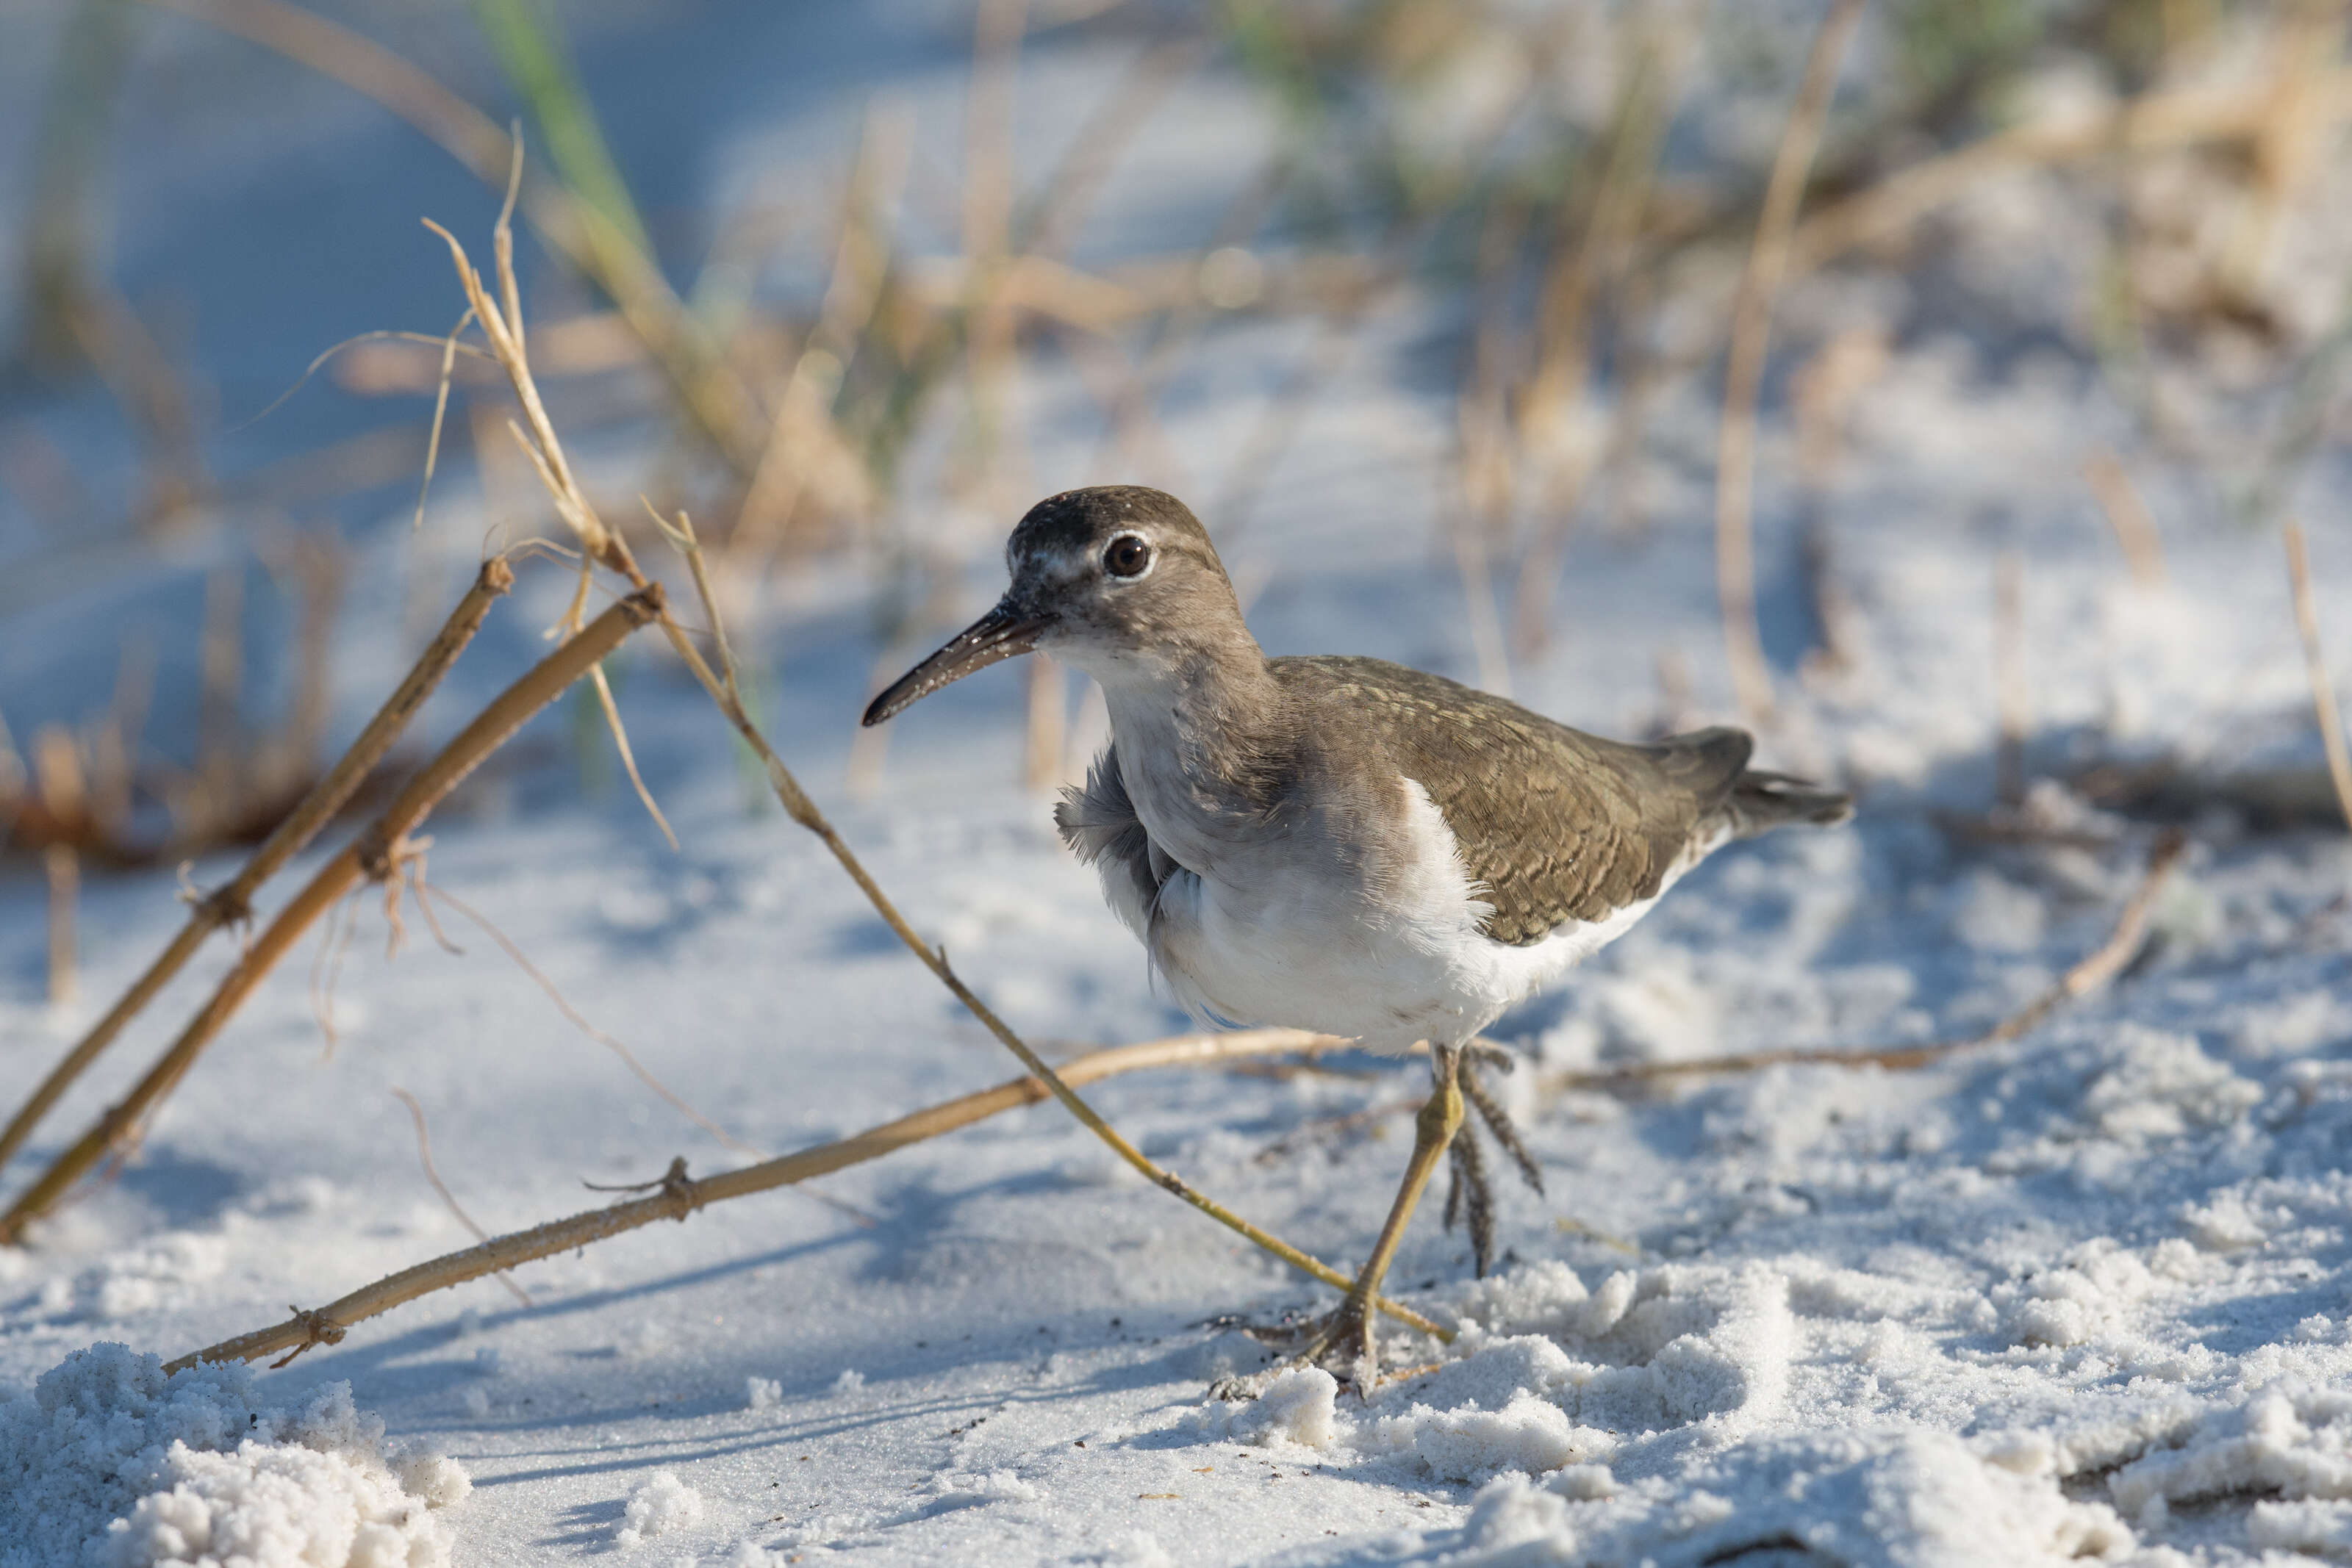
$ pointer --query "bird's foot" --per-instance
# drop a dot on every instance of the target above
(1340, 1343)
(1344, 1347)
(1471, 1195)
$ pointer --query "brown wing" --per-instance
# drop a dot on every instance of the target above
(1557, 824)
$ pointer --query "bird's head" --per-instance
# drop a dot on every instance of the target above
(1109, 579)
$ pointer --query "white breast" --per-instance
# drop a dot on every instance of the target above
(1269, 936)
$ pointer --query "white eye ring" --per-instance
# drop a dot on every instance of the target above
(1150, 558)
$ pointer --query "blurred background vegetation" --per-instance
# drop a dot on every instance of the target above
(772, 283)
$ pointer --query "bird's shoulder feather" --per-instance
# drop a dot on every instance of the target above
(1553, 824)
(1098, 822)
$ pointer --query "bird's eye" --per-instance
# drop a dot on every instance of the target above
(1127, 555)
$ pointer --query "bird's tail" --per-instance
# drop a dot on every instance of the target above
(1762, 801)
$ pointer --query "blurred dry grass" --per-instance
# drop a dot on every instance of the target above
(1585, 178)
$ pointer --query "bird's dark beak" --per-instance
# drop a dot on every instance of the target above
(1004, 633)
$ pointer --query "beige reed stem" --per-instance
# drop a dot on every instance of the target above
(1743, 375)
(234, 903)
(2101, 967)
(375, 853)
(501, 323)
(680, 1196)
(2314, 656)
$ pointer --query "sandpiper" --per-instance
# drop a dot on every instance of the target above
(1341, 845)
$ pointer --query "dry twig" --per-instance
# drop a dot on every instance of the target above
(2323, 690)
(63, 867)
(502, 327)
(803, 441)
(1564, 332)
(680, 1196)
(2128, 515)
(449, 346)
(234, 903)
(375, 853)
(1752, 316)
(804, 810)
(732, 1144)
(58, 776)
(327, 969)
(2113, 956)
(448, 1198)
(2013, 699)
(708, 389)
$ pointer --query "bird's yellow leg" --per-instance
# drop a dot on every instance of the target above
(1350, 1329)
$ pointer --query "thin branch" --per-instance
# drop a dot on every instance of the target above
(612, 710)
(683, 537)
(2112, 958)
(2155, 122)
(571, 1014)
(440, 413)
(2012, 696)
(1335, 1128)
(605, 545)
(1743, 376)
(354, 340)
(327, 969)
(802, 421)
(502, 324)
(426, 893)
(234, 903)
(680, 1196)
(63, 867)
(2128, 515)
(375, 853)
(804, 810)
(2314, 657)
(448, 1198)
(707, 387)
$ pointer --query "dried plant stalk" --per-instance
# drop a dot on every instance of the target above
(802, 435)
(64, 869)
(426, 893)
(603, 687)
(1048, 726)
(2184, 116)
(448, 1199)
(375, 853)
(804, 810)
(2314, 656)
(502, 327)
(1752, 316)
(2128, 515)
(681, 1196)
(235, 901)
(1600, 254)
(2094, 972)
(708, 389)
(2012, 696)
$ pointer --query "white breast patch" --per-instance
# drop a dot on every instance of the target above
(1264, 939)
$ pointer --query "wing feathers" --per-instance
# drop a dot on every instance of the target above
(1555, 825)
